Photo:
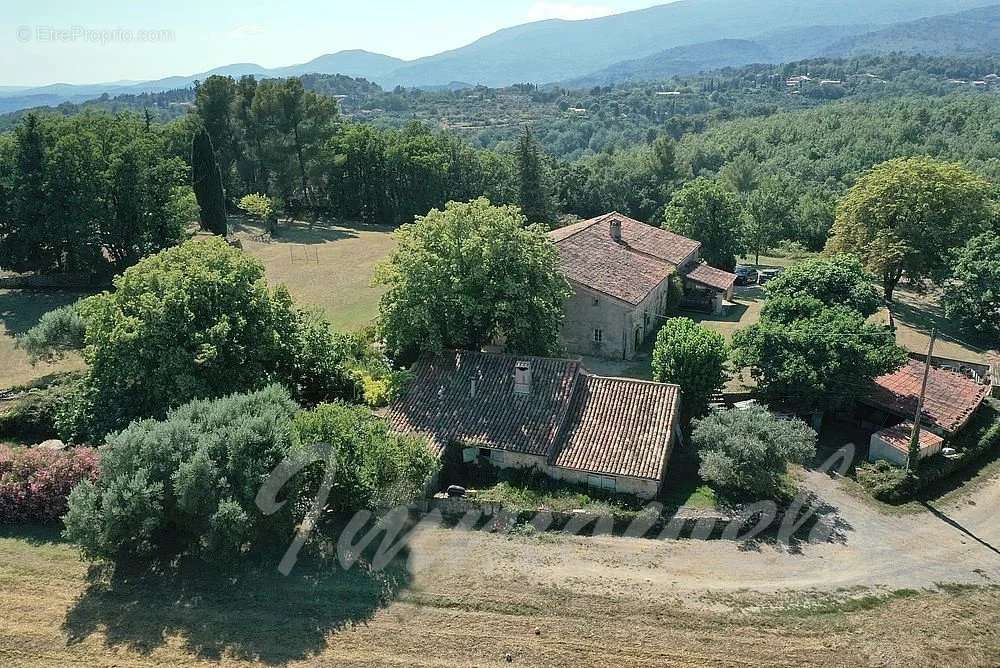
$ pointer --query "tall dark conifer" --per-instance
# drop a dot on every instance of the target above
(207, 184)
(534, 196)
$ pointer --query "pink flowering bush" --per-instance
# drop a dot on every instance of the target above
(34, 484)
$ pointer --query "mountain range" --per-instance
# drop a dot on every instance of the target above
(682, 37)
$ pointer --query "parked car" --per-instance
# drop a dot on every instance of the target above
(745, 275)
(765, 275)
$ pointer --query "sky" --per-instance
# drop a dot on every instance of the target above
(73, 41)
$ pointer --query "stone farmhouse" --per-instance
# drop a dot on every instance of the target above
(518, 412)
(620, 270)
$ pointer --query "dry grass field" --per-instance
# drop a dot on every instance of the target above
(56, 612)
(329, 266)
(19, 312)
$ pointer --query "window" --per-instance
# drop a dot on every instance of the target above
(601, 482)
(495, 457)
(598, 335)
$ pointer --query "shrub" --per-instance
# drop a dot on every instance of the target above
(748, 451)
(188, 484)
(35, 416)
(882, 479)
(374, 466)
(35, 484)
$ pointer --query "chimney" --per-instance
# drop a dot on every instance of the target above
(522, 378)
(616, 230)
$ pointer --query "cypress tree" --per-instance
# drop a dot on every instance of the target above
(207, 184)
(533, 195)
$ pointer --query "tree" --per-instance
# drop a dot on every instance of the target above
(809, 357)
(207, 183)
(838, 281)
(766, 217)
(25, 246)
(197, 320)
(740, 173)
(704, 211)
(972, 297)
(533, 195)
(747, 452)
(469, 275)
(905, 215)
(693, 357)
(215, 102)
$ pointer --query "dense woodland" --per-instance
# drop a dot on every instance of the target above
(114, 187)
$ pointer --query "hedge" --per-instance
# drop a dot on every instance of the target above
(35, 483)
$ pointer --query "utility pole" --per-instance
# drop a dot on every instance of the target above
(911, 462)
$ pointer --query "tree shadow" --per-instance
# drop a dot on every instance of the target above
(302, 232)
(251, 613)
(34, 534)
(20, 310)
(918, 314)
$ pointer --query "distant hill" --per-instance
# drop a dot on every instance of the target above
(558, 50)
(974, 31)
(678, 60)
(682, 37)
(353, 63)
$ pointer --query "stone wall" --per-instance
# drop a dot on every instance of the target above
(588, 310)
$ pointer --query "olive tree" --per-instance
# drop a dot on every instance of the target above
(747, 452)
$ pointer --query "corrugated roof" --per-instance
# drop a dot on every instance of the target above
(440, 401)
(712, 277)
(619, 426)
(628, 269)
(949, 402)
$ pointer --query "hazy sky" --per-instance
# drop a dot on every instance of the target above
(80, 41)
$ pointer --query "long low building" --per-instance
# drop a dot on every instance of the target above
(517, 411)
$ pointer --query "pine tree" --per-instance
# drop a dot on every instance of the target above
(208, 184)
(536, 204)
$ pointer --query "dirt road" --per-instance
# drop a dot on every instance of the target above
(956, 542)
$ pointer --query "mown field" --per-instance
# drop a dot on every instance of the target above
(19, 311)
(55, 611)
(329, 266)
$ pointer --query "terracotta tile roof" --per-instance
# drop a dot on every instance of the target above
(619, 427)
(609, 426)
(628, 269)
(712, 277)
(439, 402)
(950, 401)
(899, 437)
